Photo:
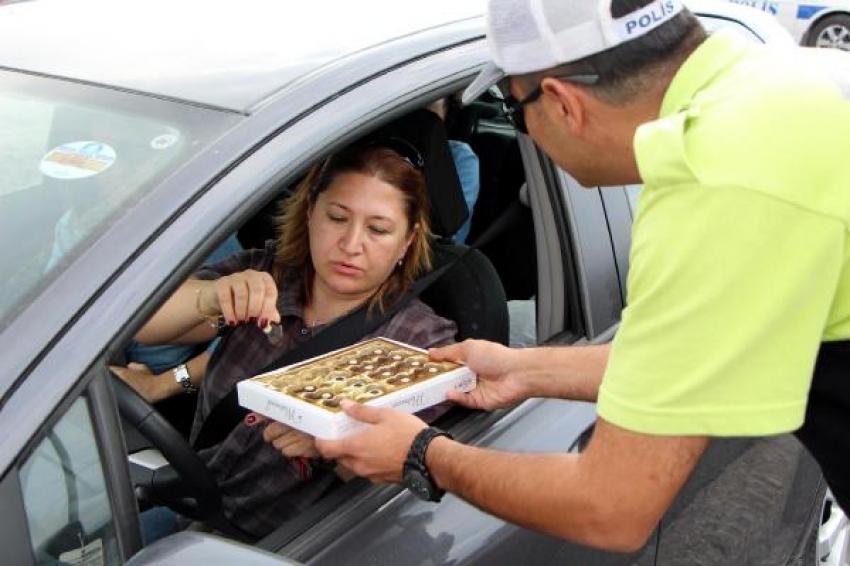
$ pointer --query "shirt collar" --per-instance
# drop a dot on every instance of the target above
(716, 54)
(659, 145)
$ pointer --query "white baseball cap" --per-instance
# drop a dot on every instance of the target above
(525, 36)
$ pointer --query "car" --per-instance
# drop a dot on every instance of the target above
(819, 24)
(164, 128)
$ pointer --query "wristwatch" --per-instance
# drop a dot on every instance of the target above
(181, 376)
(415, 475)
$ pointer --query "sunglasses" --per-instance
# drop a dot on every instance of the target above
(403, 148)
(514, 109)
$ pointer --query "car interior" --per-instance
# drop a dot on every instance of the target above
(488, 290)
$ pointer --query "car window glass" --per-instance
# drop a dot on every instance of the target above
(72, 159)
(65, 497)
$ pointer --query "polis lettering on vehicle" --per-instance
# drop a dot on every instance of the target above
(771, 8)
(655, 15)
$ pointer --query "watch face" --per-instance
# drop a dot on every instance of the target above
(418, 484)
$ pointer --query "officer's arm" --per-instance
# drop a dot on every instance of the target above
(610, 496)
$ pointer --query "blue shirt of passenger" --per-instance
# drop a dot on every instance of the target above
(161, 358)
(466, 163)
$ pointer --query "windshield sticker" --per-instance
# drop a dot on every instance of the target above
(90, 554)
(77, 160)
(164, 141)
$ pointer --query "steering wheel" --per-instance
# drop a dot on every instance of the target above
(185, 485)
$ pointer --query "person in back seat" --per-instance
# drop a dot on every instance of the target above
(468, 171)
(355, 233)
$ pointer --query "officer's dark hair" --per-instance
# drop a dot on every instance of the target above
(631, 68)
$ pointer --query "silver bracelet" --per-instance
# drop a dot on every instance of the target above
(181, 376)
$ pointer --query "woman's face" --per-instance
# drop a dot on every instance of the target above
(358, 231)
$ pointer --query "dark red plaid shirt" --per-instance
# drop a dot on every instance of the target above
(260, 487)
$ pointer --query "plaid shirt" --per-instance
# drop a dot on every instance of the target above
(260, 487)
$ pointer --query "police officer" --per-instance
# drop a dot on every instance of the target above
(739, 288)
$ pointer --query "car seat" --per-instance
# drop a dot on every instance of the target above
(470, 292)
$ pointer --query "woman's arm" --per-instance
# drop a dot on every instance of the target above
(183, 315)
(156, 387)
(246, 296)
(293, 443)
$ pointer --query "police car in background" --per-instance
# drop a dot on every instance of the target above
(815, 24)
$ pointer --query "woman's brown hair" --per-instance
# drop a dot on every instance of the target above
(375, 160)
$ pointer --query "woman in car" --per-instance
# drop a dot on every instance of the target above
(354, 233)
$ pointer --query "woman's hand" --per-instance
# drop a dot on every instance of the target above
(241, 297)
(151, 386)
(290, 442)
(378, 452)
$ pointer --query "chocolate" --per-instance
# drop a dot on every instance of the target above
(361, 373)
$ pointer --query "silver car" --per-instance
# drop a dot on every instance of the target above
(137, 136)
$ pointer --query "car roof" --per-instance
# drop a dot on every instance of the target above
(230, 55)
(225, 54)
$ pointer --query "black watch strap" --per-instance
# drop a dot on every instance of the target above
(415, 472)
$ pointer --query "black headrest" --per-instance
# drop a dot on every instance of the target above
(464, 122)
(426, 132)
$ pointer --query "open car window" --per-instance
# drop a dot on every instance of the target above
(485, 157)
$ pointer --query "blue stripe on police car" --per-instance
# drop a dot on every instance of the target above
(806, 11)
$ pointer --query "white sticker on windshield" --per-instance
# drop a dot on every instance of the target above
(77, 160)
(90, 554)
(164, 141)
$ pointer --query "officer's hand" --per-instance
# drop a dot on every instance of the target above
(495, 365)
(377, 453)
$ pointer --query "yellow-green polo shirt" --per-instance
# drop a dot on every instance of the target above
(740, 264)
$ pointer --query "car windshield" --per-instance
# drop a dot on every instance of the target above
(73, 158)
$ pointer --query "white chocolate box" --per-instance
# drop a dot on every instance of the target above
(379, 372)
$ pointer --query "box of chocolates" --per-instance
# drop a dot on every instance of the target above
(379, 372)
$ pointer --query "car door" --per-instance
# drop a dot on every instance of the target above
(66, 499)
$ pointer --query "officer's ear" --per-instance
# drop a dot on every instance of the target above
(567, 103)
